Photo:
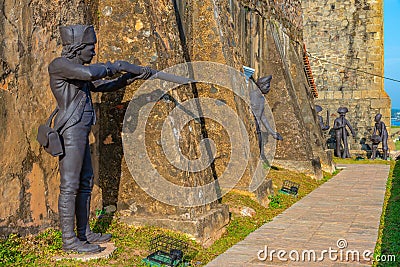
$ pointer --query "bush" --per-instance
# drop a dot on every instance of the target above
(276, 201)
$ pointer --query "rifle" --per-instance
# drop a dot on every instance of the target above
(327, 118)
(135, 69)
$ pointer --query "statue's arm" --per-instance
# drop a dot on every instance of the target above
(257, 107)
(112, 85)
(384, 130)
(321, 122)
(66, 69)
(264, 121)
(351, 128)
(121, 81)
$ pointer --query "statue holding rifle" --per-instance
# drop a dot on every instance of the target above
(72, 79)
(257, 101)
(341, 133)
(380, 132)
(322, 125)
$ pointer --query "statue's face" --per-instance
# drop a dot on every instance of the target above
(87, 53)
(265, 87)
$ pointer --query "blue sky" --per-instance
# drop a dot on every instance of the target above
(392, 49)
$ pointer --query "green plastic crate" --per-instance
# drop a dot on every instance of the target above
(162, 249)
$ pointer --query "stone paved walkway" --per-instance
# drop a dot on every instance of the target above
(347, 207)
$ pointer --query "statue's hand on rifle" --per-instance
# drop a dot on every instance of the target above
(131, 77)
(132, 68)
(133, 72)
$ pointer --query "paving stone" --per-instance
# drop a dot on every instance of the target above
(342, 208)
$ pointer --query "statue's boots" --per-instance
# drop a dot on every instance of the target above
(66, 209)
(346, 153)
(95, 238)
(82, 221)
(385, 153)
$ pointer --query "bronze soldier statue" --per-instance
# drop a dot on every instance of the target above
(72, 79)
(342, 133)
(324, 127)
(380, 130)
(257, 101)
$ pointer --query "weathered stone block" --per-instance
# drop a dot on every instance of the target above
(263, 191)
(356, 94)
(380, 103)
(347, 94)
(337, 95)
(370, 94)
(386, 114)
(206, 228)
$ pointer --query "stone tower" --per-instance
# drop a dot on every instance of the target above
(345, 42)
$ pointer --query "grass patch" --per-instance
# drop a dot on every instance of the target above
(132, 242)
(27, 251)
(362, 161)
(389, 231)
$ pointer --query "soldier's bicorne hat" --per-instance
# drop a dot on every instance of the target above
(318, 108)
(264, 81)
(77, 34)
(342, 110)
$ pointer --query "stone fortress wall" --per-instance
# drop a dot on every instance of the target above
(345, 39)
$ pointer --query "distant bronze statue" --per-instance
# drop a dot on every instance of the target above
(323, 126)
(341, 133)
(72, 78)
(380, 130)
(257, 101)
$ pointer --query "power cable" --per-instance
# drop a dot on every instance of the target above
(363, 71)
